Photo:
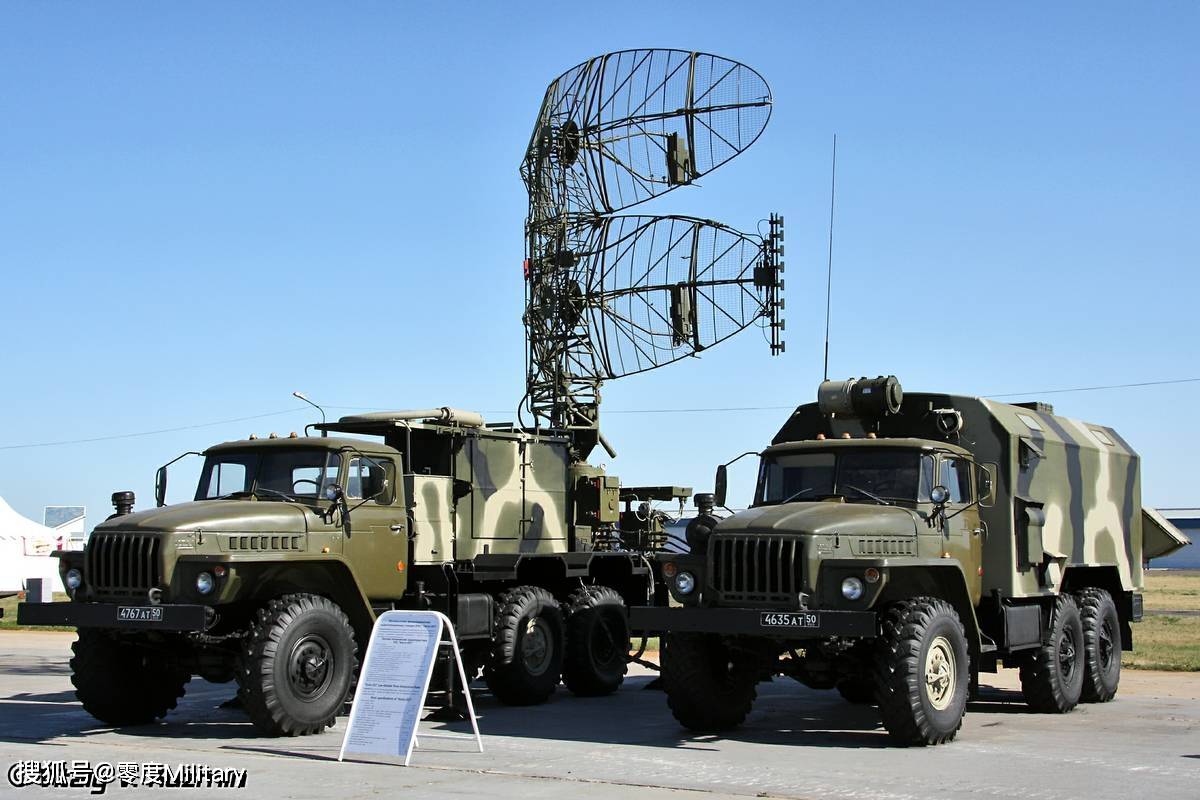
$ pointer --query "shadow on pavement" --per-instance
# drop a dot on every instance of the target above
(998, 701)
(26, 717)
(38, 666)
(786, 713)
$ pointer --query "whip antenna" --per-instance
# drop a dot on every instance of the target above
(829, 269)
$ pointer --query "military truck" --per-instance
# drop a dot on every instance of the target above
(273, 575)
(900, 544)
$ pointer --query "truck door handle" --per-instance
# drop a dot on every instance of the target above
(396, 528)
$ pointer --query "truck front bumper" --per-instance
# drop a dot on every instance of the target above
(817, 624)
(111, 615)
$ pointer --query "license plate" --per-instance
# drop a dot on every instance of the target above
(139, 613)
(790, 619)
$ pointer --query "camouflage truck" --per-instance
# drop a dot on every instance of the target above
(900, 544)
(272, 577)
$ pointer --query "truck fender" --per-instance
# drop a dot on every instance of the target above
(940, 578)
(330, 577)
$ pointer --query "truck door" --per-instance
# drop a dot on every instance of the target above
(377, 547)
(963, 535)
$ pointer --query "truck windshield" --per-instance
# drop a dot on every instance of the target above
(282, 473)
(893, 475)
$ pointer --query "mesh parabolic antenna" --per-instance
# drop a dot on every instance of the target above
(609, 295)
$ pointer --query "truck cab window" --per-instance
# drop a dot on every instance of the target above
(226, 477)
(888, 473)
(311, 480)
(804, 474)
(368, 477)
(927, 484)
(956, 477)
(299, 473)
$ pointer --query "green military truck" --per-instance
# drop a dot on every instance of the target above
(898, 545)
(273, 575)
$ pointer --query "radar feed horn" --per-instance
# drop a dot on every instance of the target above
(609, 295)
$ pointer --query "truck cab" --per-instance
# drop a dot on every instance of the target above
(858, 499)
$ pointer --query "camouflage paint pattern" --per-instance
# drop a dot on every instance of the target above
(1087, 478)
(431, 499)
(518, 499)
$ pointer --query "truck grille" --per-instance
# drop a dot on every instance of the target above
(756, 569)
(123, 564)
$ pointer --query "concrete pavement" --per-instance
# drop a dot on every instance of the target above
(798, 743)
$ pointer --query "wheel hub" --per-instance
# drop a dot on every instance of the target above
(940, 673)
(536, 647)
(604, 641)
(309, 667)
(1106, 645)
(1066, 655)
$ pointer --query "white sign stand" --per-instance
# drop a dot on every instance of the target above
(394, 681)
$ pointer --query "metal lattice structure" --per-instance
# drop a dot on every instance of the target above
(609, 295)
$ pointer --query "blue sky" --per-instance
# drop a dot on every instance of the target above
(206, 206)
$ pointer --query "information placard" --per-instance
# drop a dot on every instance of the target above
(393, 682)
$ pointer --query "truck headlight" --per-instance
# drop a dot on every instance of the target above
(205, 583)
(74, 579)
(685, 583)
(852, 588)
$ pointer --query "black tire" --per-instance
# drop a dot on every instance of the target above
(1052, 677)
(527, 657)
(1101, 645)
(859, 691)
(709, 687)
(297, 665)
(922, 671)
(120, 682)
(597, 653)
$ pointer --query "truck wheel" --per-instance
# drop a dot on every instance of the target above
(1101, 645)
(709, 688)
(297, 665)
(528, 653)
(121, 683)
(597, 642)
(1052, 678)
(922, 672)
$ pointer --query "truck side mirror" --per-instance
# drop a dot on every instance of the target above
(939, 495)
(721, 485)
(160, 478)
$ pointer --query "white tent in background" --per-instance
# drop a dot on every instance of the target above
(25, 548)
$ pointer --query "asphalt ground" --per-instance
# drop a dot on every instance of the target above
(798, 743)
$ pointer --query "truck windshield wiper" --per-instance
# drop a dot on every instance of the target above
(865, 493)
(254, 493)
(275, 492)
(797, 494)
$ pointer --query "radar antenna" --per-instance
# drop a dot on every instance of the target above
(609, 295)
